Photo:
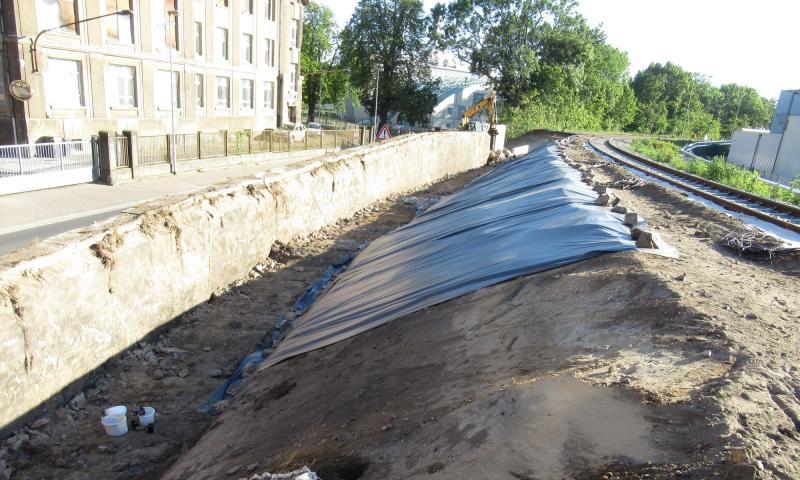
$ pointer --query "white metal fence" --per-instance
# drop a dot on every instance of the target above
(46, 165)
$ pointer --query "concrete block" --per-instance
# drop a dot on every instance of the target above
(603, 199)
(631, 219)
(645, 240)
(619, 209)
(741, 472)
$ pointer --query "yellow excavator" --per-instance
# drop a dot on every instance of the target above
(489, 102)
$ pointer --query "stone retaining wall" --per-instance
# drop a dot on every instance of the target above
(77, 301)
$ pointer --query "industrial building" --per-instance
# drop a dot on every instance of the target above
(775, 153)
(209, 64)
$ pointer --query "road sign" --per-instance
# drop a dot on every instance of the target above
(383, 133)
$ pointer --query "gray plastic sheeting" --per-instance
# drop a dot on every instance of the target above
(525, 216)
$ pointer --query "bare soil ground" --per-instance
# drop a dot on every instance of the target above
(177, 369)
(624, 366)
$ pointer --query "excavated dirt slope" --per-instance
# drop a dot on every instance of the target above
(624, 366)
(177, 368)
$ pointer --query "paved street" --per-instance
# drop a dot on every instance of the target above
(34, 216)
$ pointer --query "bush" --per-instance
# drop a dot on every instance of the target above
(717, 170)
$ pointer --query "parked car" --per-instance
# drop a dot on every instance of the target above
(314, 128)
(297, 133)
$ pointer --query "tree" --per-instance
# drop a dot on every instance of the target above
(675, 102)
(393, 34)
(317, 55)
(511, 42)
(738, 107)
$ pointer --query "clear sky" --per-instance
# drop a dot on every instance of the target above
(750, 42)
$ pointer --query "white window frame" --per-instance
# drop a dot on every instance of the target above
(269, 10)
(222, 44)
(55, 82)
(120, 20)
(199, 39)
(116, 90)
(247, 48)
(175, 84)
(249, 95)
(200, 90)
(218, 82)
(295, 32)
(269, 95)
(293, 72)
(269, 52)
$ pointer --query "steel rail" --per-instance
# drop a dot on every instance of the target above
(615, 152)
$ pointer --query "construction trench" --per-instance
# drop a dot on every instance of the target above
(621, 365)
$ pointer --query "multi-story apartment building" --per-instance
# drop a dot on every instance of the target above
(235, 65)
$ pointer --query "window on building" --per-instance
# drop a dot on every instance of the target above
(198, 39)
(121, 83)
(222, 43)
(222, 3)
(53, 13)
(223, 92)
(269, 11)
(269, 95)
(293, 77)
(199, 90)
(247, 48)
(64, 83)
(269, 52)
(247, 7)
(166, 30)
(296, 33)
(247, 93)
(119, 28)
(167, 87)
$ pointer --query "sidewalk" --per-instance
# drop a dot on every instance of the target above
(32, 216)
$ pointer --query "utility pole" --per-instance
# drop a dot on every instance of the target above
(378, 67)
(173, 21)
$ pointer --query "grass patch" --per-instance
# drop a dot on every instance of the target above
(717, 170)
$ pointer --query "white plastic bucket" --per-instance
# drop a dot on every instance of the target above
(148, 417)
(115, 425)
(118, 411)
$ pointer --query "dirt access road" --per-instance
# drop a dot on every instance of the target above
(624, 366)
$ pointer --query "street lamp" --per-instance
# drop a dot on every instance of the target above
(34, 52)
(378, 67)
(173, 21)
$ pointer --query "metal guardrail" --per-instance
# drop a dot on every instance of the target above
(121, 150)
(152, 150)
(193, 146)
(30, 159)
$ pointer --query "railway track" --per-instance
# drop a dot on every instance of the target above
(778, 213)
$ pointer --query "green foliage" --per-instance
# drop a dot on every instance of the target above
(675, 102)
(325, 80)
(550, 69)
(737, 106)
(717, 170)
(395, 34)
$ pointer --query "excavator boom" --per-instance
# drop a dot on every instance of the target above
(488, 103)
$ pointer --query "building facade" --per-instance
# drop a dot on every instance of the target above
(774, 153)
(235, 64)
